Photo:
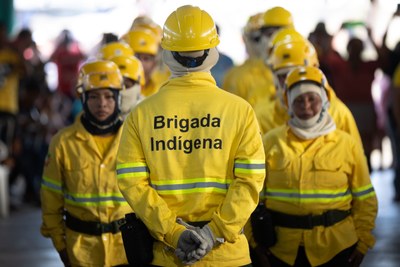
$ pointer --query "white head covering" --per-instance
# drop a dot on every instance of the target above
(321, 124)
(129, 99)
(178, 70)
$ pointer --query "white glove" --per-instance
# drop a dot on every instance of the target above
(208, 236)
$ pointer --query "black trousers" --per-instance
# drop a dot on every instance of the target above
(341, 259)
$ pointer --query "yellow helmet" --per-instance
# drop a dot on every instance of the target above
(292, 54)
(306, 74)
(148, 23)
(254, 23)
(142, 40)
(278, 17)
(115, 49)
(85, 68)
(130, 67)
(189, 29)
(101, 74)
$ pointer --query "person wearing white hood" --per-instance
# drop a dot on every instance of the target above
(191, 160)
(317, 186)
(132, 71)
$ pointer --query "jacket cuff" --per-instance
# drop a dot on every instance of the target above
(172, 237)
(217, 234)
(362, 247)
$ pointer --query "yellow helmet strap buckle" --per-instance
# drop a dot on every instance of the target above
(190, 62)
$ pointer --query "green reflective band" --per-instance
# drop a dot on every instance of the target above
(51, 185)
(132, 170)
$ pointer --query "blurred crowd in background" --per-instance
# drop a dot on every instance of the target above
(47, 99)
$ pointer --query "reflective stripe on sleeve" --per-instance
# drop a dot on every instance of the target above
(128, 170)
(51, 185)
(363, 192)
(249, 167)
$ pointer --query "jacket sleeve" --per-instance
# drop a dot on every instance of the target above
(133, 181)
(52, 198)
(243, 193)
(364, 205)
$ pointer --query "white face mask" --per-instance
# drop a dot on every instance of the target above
(129, 98)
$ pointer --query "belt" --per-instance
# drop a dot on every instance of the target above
(92, 228)
(326, 219)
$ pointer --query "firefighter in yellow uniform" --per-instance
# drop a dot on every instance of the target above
(114, 49)
(132, 71)
(317, 185)
(191, 161)
(11, 70)
(145, 45)
(79, 180)
(253, 80)
(285, 56)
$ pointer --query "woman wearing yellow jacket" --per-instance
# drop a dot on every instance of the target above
(317, 186)
(192, 155)
(290, 51)
(79, 180)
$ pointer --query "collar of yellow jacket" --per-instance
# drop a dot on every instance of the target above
(190, 79)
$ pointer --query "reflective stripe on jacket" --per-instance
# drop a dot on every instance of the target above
(193, 151)
(78, 178)
(330, 173)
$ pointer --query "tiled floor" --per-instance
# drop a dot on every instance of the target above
(22, 245)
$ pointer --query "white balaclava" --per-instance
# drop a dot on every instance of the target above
(178, 70)
(129, 98)
(321, 124)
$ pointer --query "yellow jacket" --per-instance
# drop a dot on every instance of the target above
(79, 179)
(327, 173)
(158, 77)
(252, 81)
(193, 151)
(9, 83)
(274, 115)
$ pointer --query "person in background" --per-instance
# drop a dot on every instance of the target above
(132, 71)
(224, 64)
(194, 173)
(353, 77)
(317, 188)
(253, 80)
(81, 202)
(12, 70)
(290, 49)
(145, 45)
(68, 56)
